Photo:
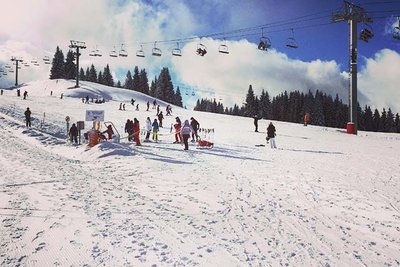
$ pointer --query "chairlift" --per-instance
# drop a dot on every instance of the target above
(11, 70)
(223, 48)
(46, 60)
(366, 33)
(265, 42)
(140, 52)
(113, 53)
(193, 94)
(396, 30)
(291, 42)
(201, 50)
(156, 51)
(98, 53)
(7, 66)
(123, 52)
(177, 51)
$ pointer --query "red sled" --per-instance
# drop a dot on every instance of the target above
(205, 144)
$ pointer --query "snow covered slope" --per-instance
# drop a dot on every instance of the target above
(323, 198)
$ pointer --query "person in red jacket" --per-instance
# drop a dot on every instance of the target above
(136, 131)
(109, 131)
(178, 126)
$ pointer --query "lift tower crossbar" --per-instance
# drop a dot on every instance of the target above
(77, 45)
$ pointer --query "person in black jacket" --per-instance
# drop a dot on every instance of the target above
(195, 126)
(28, 117)
(256, 118)
(73, 134)
(271, 134)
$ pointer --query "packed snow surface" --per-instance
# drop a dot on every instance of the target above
(323, 198)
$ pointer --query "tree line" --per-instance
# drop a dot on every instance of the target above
(161, 87)
(291, 107)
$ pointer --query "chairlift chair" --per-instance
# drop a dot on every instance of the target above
(366, 33)
(7, 66)
(396, 33)
(123, 52)
(264, 43)
(46, 60)
(140, 52)
(291, 42)
(156, 51)
(113, 53)
(98, 53)
(177, 51)
(201, 50)
(223, 49)
(193, 94)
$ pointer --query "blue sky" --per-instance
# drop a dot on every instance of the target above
(320, 62)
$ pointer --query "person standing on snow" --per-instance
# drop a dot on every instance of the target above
(271, 134)
(160, 118)
(28, 117)
(155, 130)
(186, 130)
(129, 129)
(73, 133)
(136, 131)
(195, 127)
(178, 126)
(148, 128)
(256, 118)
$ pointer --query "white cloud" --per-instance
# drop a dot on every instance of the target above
(379, 80)
(230, 75)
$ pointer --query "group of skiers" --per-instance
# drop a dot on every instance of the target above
(183, 132)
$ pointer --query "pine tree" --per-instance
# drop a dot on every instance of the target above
(382, 121)
(153, 87)
(100, 78)
(70, 67)
(368, 119)
(136, 80)
(376, 120)
(82, 75)
(250, 103)
(165, 89)
(119, 84)
(265, 105)
(397, 123)
(87, 74)
(57, 67)
(389, 124)
(107, 77)
(92, 74)
(144, 82)
(128, 81)
(178, 98)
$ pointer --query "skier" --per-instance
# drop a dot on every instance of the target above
(155, 129)
(148, 128)
(137, 107)
(133, 102)
(271, 134)
(25, 94)
(195, 127)
(256, 118)
(73, 133)
(154, 104)
(185, 133)
(307, 118)
(136, 131)
(178, 126)
(120, 106)
(160, 118)
(28, 117)
(1, 91)
(87, 100)
(148, 105)
(158, 109)
(129, 129)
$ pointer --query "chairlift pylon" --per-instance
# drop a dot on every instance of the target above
(177, 51)
(123, 52)
(201, 50)
(291, 42)
(265, 42)
(156, 51)
(140, 52)
(223, 48)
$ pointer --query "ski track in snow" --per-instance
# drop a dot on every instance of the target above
(122, 205)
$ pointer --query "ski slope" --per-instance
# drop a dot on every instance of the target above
(323, 198)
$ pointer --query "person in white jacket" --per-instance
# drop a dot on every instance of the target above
(148, 128)
(186, 130)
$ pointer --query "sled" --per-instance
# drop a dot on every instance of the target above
(205, 144)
